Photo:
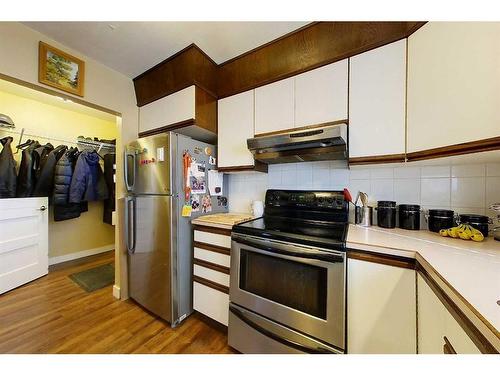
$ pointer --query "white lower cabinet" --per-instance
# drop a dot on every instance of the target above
(435, 324)
(211, 302)
(381, 309)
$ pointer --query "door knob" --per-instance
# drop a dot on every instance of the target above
(42, 208)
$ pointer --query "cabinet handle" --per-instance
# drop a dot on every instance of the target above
(447, 347)
(42, 208)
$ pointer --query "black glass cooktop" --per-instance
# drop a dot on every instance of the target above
(308, 232)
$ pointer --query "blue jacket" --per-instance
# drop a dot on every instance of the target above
(87, 183)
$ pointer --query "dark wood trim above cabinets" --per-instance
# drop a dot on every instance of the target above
(489, 144)
(394, 158)
(190, 66)
(166, 128)
(310, 47)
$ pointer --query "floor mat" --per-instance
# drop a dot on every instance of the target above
(95, 278)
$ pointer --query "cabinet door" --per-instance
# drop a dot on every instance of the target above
(321, 95)
(169, 110)
(274, 106)
(453, 84)
(377, 101)
(381, 308)
(235, 126)
(430, 314)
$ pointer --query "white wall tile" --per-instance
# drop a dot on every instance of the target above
(304, 179)
(274, 179)
(407, 172)
(407, 191)
(492, 191)
(493, 169)
(435, 192)
(289, 178)
(468, 210)
(321, 178)
(435, 171)
(376, 173)
(382, 189)
(468, 170)
(356, 186)
(339, 177)
(359, 174)
(468, 192)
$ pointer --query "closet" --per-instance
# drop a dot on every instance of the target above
(57, 159)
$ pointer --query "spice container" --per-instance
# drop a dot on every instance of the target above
(440, 219)
(409, 216)
(386, 214)
(480, 222)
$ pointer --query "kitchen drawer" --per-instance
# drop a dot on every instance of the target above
(212, 257)
(212, 238)
(211, 302)
(211, 275)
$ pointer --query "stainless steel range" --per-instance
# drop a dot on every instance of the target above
(288, 275)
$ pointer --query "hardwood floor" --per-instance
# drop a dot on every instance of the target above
(54, 315)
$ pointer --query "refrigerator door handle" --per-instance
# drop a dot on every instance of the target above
(130, 154)
(130, 224)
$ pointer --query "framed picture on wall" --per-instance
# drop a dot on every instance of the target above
(60, 70)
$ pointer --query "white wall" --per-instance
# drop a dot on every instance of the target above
(465, 188)
(103, 86)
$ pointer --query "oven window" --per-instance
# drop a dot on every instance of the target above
(297, 285)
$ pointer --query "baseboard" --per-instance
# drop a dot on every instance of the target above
(116, 291)
(80, 254)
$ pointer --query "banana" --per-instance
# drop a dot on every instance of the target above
(464, 235)
(444, 232)
(453, 232)
(463, 231)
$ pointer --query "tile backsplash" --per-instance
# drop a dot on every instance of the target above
(467, 188)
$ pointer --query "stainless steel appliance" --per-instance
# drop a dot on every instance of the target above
(157, 236)
(288, 275)
(328, 142)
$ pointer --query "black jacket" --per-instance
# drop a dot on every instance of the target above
(26, 178)
(109, 173)
(88, 182)
(45, 181)
(63, 210)
(7, 170)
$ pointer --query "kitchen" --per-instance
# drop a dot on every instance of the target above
(324, 191)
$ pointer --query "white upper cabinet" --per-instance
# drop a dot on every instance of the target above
(377, 96)
(274, 106)
(321, 95)
(453, 84)
(171, 109)
(235, 126)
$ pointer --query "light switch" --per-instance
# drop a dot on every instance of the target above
(160, 154)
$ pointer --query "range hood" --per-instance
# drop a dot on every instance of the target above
(327, 142)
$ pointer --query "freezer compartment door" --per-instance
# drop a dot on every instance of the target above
(147, 165)
(149, 257)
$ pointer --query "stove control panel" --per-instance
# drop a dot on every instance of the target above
(307, 200)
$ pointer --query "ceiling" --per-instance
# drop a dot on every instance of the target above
(133, 47)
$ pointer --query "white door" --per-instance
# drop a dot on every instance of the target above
(235, 126)
(23, 241)
(377, 96)
(321, 95)
(274, 106)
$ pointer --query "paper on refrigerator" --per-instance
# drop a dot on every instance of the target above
(215, 181)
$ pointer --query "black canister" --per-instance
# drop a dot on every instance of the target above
(440, 219)
(409, 216)
(386, 214)
(480, 222)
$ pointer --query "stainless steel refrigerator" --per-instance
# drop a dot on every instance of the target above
(157, 236)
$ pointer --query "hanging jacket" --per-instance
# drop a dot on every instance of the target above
(63, 210)
(88, 182)
(26, 177)
(42, 153)
(45, 181)
(7, 170)
(109, 173)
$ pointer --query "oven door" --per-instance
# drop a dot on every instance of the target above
(297, 286)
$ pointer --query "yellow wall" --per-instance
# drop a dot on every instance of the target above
(88, 231)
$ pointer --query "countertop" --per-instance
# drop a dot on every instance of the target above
(472, 269)
(224, 221)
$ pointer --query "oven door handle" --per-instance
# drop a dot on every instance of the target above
(291, 250)
(290, 342)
